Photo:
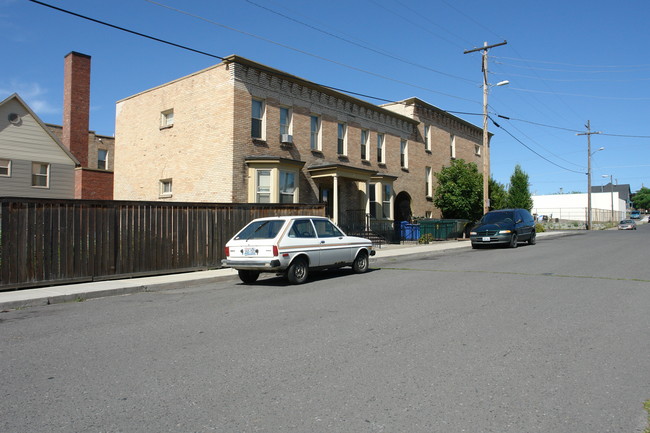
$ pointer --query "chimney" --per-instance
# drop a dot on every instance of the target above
(76, 105)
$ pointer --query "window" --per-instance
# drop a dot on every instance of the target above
(386, 201)
(257, 119)
(285, 121)
(167, 119)
(263, 186)
(342, 142)
(102, 159)
(165, 187)
(477, 150)
(452, 146)
(380, 149)
(287, 186)
(427, 138)
(325, 229)
(302, 229)
(5, 167)
(40, 175)
(315, 141)
(428, 181)
(403, 153)
(364, 144)
(372, 196)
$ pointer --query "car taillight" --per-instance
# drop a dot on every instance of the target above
(226, 251)
(275, 251)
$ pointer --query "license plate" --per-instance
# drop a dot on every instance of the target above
(250, 251)
(486, 239)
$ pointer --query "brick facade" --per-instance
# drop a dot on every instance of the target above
(209, 154)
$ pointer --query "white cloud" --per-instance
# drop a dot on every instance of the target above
(34, 95)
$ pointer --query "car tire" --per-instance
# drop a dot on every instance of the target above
(298, 271)
(533, 239)
(513, 241)
(360, 264)
(248, 277)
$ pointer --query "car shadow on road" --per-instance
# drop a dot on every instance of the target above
(271, 280)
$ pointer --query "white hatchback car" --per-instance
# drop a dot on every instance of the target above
(293, 245)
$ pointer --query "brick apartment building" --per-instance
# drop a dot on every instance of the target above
(243, 132)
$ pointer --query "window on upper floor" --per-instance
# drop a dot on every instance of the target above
(315, 141)
(477, 149)
(404, 153)
(5, 167)
(102, 159)
(342, 139)
(452, 146)
(165, 188)
(381, 151)
(257, 119)
(427, 138)
(40, 175)
(285, 125)
(167, 119)
(364, 144)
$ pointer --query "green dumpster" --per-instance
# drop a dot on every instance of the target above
(439, 230)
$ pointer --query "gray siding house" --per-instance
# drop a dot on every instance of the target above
(33, 162)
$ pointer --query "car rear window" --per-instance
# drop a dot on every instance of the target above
(261, 230)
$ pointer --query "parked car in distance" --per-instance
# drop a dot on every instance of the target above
(504, 227)
(293, 246)
(635, 215)
(627, 225)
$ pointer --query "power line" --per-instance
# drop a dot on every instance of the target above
(529, 148)
(365, 47)
(336, 62)
(127, 30)
(570, 64)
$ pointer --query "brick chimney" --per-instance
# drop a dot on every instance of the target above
(76, 105)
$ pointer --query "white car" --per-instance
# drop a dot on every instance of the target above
(293, 245)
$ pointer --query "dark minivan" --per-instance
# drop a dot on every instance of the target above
(504, 227)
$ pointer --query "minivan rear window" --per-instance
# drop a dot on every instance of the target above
(261, 230)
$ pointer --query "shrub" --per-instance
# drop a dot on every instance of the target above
(426, 238)
(539, 228)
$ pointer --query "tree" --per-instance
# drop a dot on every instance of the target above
(498, 195)
(641, 198)
(459, 194)
(518, 193)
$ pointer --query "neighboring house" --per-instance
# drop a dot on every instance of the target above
(605, 206)
(623, 190)
(33, 161)
(243, 132)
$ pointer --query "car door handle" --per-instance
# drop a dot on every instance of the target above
(322, 242)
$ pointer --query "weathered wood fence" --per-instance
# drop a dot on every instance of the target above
(45, 242)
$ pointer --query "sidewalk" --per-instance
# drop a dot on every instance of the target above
(82, 291)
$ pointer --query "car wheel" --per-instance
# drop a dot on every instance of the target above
(248, 277)
(513, 241)
(533, 239)
(360, 264)
(298, 271)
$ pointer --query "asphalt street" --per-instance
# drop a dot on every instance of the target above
(544, 338)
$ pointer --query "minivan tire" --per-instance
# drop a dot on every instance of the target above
(533, 239)
(513, 241)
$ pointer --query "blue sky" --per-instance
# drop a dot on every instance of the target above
(568, 62)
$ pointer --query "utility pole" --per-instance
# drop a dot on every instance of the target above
(589, 134)
(486, 152)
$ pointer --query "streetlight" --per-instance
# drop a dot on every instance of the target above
(486, 167)
(611, 191)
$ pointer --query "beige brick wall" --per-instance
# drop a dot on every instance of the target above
(196, 152)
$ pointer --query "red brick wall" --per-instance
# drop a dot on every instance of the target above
(93, 184)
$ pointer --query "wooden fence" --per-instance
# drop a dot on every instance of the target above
(45, 242)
